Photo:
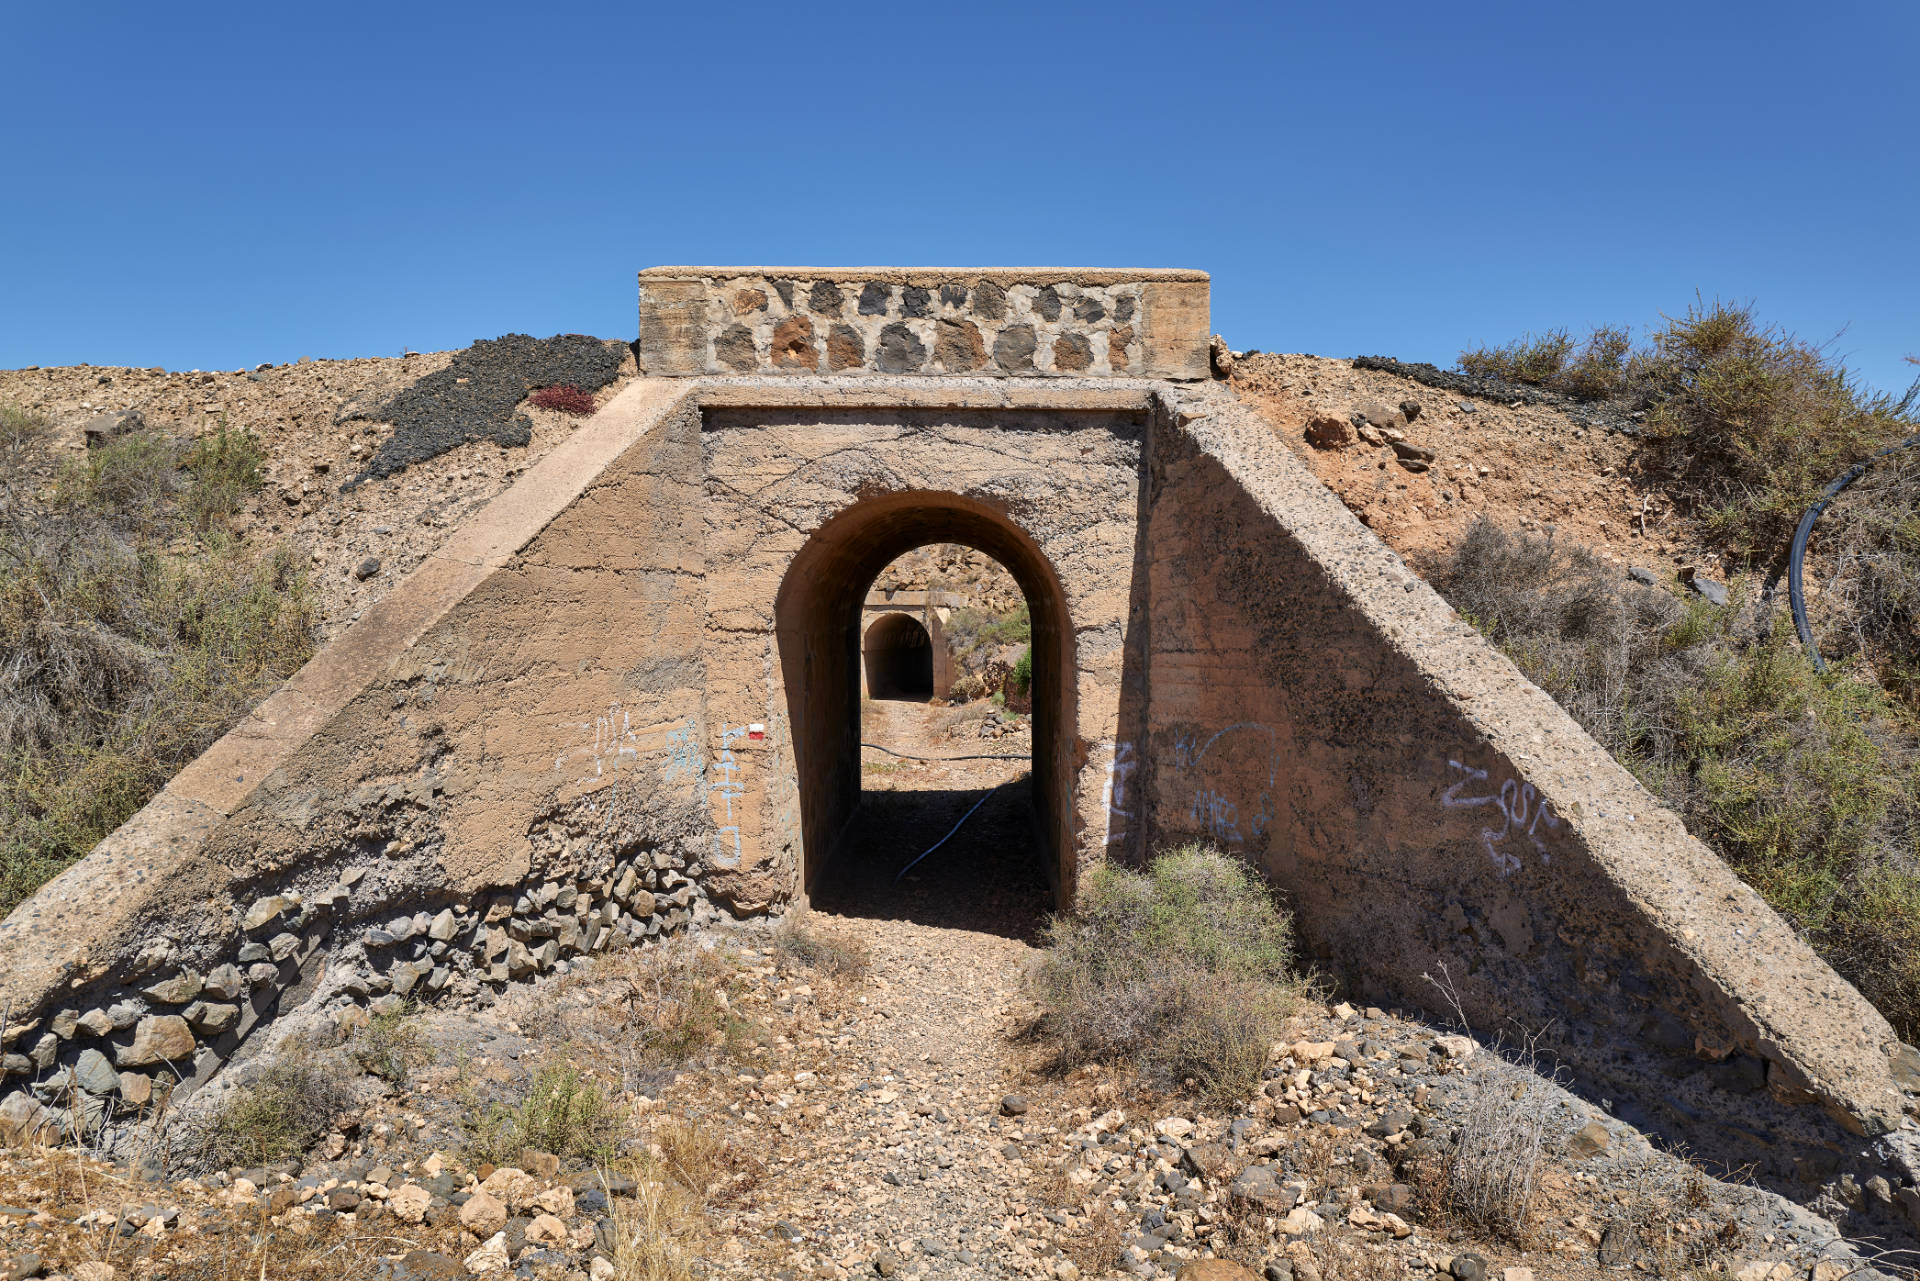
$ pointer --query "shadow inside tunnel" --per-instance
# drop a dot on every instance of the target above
(988, 876)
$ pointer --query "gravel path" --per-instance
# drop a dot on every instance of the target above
(915, 1171)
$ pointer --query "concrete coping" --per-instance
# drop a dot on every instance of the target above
(938, 275)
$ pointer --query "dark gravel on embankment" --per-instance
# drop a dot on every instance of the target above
(474, 397)
(1622, 415)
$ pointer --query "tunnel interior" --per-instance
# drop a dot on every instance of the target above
(867, 835)
(899, 658)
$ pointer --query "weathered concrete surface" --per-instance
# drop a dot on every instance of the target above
(1313, 704)
(632, 684)
(1025, 322)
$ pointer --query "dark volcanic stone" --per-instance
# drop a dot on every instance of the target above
(952, 295)
(989, 301)
(1123, 309)
(1047, 303)
(915, 299)
(1013, 349)
(901, 351)
(734, 348)
(475, 396)
(874, 298)
(1089, 310)
(825, 298)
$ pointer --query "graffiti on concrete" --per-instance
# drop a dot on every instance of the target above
(725, 784)
(1228, 802)
(1119, 814)
(1522, 811)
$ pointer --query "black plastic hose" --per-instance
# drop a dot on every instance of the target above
(1795, 594)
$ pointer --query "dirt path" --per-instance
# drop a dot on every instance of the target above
(914, 1171)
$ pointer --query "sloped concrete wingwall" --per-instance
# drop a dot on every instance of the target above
(1445, 831)
(500, 765)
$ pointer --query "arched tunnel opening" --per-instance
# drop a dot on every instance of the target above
(953, 811)
(899, 658)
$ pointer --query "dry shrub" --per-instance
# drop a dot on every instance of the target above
(276, 1117)
(1182, 972)
(123, 654)
(676, 1010)
(1863, 571)
(1602, 366)
(1667, 1224)
(799, 941)
(1745, 422)
(1805, 784)
(658, 1232)
(1489, 1177)
(1751, 423)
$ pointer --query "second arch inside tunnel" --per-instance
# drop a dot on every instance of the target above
(897, 657)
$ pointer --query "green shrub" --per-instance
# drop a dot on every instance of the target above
(1023, 671)
(122, 655)
(1806, 784)
(278, 1117)
(1182, 972)
(391, 1045)
(565, 1112)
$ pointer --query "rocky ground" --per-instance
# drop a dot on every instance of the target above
(876, 1103)
(1422, 463)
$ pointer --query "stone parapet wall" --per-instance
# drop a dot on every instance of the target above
(996, 322)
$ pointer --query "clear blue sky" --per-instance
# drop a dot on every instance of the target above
(201, 185)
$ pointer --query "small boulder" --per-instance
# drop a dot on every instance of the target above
(1329, 431)
(547, 1230)
(159, 1038)
(1589, 1140)
(483, 1214)
(23, 1121)
(94, 1074)
(1014, 1105)
(103, 429)
(490, 1257)
(410, 1203)
(1214, 1270)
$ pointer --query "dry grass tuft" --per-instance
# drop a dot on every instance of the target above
(278, 1117)
(391, 1046)
(564, 1112)
(1489, 1179)
(799, 941)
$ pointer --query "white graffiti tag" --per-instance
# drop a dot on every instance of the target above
(1118, 771)
(1521, 810)
(726, 785)
(1214, 811)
